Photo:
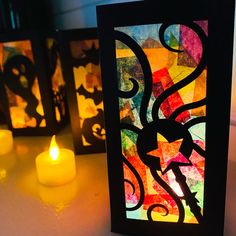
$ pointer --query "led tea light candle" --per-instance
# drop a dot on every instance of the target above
(56, 166)
(6, 141)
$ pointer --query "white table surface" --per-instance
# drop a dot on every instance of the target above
(80, 208)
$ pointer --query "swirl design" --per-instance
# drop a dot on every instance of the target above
(201, 66)
(138, 51)
(143, 113)
(151, 208)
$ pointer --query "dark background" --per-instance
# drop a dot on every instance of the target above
(24, 14)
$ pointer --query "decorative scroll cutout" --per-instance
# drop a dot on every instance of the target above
(162, 132)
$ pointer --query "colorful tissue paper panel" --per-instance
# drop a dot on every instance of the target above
(168, 68)
(88, 85)
(161, 82)
(24, 97)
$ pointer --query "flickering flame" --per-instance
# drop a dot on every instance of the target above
(54, 150)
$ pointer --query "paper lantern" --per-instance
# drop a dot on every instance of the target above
(81, 69)
(34, 99)
(163, 68)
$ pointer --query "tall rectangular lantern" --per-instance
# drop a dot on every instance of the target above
(34, 89)
(164, 67)
(81, 68)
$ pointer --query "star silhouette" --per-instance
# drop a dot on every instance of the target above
(168, 153)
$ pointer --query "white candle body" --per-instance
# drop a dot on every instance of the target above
(6, 141)
(56, 172)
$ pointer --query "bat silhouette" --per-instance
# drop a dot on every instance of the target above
(90, 56)
(96, 95)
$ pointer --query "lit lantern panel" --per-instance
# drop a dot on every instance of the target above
(57, 80)
(163, 122)
(21, 83)
(88, 86)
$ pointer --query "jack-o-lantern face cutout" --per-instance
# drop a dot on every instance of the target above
(93, 129)
(99, 131)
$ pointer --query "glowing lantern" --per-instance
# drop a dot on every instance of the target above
(81, 69)
(34, 87)
(162, 65)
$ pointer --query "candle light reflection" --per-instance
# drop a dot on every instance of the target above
(57, 198)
